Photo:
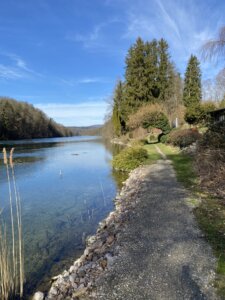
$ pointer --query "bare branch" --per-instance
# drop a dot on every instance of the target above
(214, 49)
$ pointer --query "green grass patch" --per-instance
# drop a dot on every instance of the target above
(153, 155)
(183, 165)
(211, 218)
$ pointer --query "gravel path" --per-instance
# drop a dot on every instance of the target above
(163, 254)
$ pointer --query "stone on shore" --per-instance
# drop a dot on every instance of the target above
(38, 296)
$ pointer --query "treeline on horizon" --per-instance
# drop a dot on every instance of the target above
(20, 120)
(94, 130)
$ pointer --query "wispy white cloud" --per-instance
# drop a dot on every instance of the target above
(81, 114)
(91, 39)
(16, 68)
(169, 20)
(86, 80)
(151, 20)
(7, 73)
(181, 23)
(98, 37)
(139, 25)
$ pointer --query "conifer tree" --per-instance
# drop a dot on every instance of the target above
(118, 110)
(174, 98)
(192, 90)
(151, 71)
(165, 72)
(135, 90)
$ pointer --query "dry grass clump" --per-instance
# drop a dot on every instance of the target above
(11, 252)
(210, 160)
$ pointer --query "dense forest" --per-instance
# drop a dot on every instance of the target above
(20, 120)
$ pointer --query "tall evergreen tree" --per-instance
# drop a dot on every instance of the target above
(192, 90)
(174, 95)
(165, 72)
(135, 89)
(119, 110)
(192, 83)
(151, 71)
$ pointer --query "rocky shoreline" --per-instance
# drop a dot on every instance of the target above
(102, 249)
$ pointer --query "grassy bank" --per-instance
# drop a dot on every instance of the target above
(209, 212)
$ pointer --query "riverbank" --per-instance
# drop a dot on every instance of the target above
(149, 247)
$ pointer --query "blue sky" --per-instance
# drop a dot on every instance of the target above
(64, 56)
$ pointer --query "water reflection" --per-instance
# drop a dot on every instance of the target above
(67, 187)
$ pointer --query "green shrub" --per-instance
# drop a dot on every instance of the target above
(183, 137)
(156, 120)
(193, 114)
(129, 158)
(164, 138)
(199, 114)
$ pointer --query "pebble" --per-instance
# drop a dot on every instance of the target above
(38, 296)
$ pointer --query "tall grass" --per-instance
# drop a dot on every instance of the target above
(11, 250)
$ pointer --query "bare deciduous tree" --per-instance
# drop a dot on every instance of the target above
(215, 48)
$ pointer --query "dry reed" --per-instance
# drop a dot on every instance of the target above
(11, 250)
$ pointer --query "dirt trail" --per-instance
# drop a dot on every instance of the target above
(163, 254)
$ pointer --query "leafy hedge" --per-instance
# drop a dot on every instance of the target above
(183, 137)
(129, 159)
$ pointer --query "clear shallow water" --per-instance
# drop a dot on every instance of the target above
(67, 187)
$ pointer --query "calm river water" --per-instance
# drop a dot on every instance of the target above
(67, 187)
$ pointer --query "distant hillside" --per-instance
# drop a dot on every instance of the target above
(20, 120)
(86, 130)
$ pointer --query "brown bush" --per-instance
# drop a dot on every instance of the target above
(183, 137)
(210, 160)
(139, 133)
